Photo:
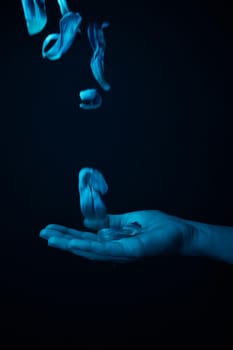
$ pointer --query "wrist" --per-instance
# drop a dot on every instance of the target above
(212, 241)
(199, 236)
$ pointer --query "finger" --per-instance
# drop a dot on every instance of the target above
(113, 249)
(64, 244)
(97, 257)
(53, 230)
(98, 247)
(46, 234)
(94, 178)
(57, 242)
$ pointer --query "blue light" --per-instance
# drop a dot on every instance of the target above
(90, 99)
(92, 186)
(96, 38)
(69, 27)
(35, 15)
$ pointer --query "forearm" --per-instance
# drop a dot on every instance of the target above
(212, 241)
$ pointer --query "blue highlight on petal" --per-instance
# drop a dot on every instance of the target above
(90, 99)
(97, 41)
(69, 27)
(35, 15)
(94, 178)
(92, 186)
(56, 45)
(63, 6)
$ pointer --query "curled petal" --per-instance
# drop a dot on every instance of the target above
(91, 186)
(69, 27)
(108, 234)
(35, 15)
(94, 178)
(91, 99)
(98, 183)
(96, 38)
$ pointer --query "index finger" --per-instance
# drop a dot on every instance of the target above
(52, 228)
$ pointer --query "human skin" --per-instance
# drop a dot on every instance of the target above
(212, 241)
(160, 234)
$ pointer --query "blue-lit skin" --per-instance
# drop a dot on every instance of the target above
(35, 15)
(96, 38)
(92, 186)
(159, 233)
(109, 234)
(91, 99)
(69, 27)
(119, 237)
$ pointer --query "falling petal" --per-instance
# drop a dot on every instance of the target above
(91, 203)
(86, 203)
(35, 15)
(96, 38)
(69, 27)
(99, 206)
(90, 99)
(94, 178)
(63, 6)
(126, 231)
(98, 182)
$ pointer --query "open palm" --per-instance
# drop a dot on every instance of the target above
(160, 233)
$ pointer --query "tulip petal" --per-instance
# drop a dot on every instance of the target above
(90, 99)
(96, 38)
(35, 15)
(69, 27)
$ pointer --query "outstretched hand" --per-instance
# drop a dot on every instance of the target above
(159, 234)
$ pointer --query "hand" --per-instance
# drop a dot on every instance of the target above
(160, 234)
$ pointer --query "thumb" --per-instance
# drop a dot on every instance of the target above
(110, 220)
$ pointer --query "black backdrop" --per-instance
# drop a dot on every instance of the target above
(163, 140)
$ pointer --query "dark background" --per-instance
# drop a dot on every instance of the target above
(162, 139)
